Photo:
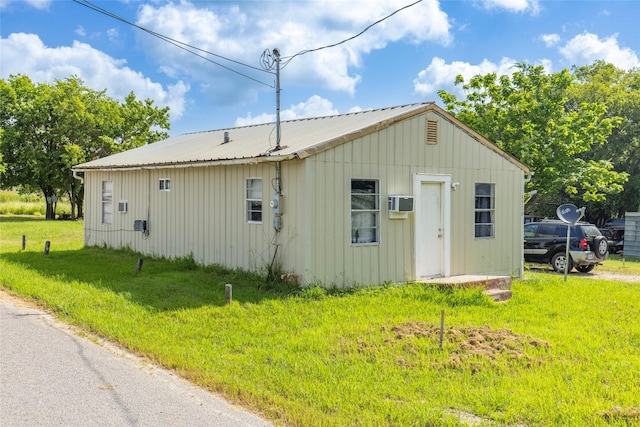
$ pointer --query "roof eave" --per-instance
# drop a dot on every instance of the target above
(188, 164)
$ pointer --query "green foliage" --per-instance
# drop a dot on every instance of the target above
(556, 354)
(620, 91)
(49, 128)
(528, 114)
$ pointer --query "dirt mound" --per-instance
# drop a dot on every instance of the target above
(469, 347)
(627, 415)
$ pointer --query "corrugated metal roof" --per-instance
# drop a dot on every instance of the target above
(251, 144)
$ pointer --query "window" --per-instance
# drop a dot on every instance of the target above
(165, 184)
(254, 200)
(123, 206)
(107, 202)
(485, 210)
(365, 211)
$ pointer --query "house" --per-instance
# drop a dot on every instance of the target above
(395, 194)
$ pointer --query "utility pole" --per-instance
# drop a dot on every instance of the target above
(276, 54)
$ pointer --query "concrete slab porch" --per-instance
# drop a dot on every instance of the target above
(497, 287)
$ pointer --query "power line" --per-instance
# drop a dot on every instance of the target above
(290, 58)
(184, 46)
(267, 61)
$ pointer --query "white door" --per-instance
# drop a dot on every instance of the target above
(430, 230)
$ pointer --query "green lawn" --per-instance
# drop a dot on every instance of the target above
(556, 354)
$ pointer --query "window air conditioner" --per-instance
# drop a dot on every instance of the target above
(400, 203)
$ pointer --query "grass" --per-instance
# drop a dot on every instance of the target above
(556, 354)
(14, 203)
(619, 265)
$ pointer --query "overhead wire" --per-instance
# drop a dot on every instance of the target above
(178, 43)
(290, 58)
(267, 63)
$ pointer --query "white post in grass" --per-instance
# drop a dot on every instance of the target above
(227, 292)
(441, 328)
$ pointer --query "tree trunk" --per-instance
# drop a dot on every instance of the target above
(80, 202)
(51, 212)
(51, 199)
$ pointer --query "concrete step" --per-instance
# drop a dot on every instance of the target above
(497, 287)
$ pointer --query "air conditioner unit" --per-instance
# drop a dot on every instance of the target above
(123, 206)
(140, 225)
(400, 203)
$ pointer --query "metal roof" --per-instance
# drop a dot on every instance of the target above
(253, 144)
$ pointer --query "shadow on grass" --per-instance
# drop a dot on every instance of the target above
(163, 285)
(21, 218)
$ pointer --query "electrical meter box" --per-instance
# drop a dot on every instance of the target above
(400, 203)
(276, 203)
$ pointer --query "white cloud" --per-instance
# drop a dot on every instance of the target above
(243, 33)
(38, 4)
(512, 5)
(550, 40)
(586, 48)
(440, 75)
(315, 106)
(112, 34)
(81, 31)
(26, 54)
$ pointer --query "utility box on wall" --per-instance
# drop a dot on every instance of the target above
(139, 225)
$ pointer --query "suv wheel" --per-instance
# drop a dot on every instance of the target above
(601, 246)
(585, 268)
(559, 260)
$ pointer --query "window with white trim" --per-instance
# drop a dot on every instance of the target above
(254, 199)
(365, 211)
(485, 209)
(164, 184)
(107, 202)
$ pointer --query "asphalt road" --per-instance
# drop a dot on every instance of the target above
(50, 376)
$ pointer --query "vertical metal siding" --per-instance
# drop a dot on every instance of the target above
(204, 213)
(632, 234)
(394, 155)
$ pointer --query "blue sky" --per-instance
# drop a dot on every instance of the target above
(406, 58)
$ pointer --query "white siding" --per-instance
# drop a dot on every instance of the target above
(394, 155)
(204, 213)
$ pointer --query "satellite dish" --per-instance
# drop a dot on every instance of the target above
(569, 213)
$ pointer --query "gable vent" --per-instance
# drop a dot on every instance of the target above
(432, 132)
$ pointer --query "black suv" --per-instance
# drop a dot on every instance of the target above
(613, 230)
(546, 242)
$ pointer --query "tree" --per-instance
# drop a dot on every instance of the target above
(620, 91)
(49, 128)
(527, 115)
